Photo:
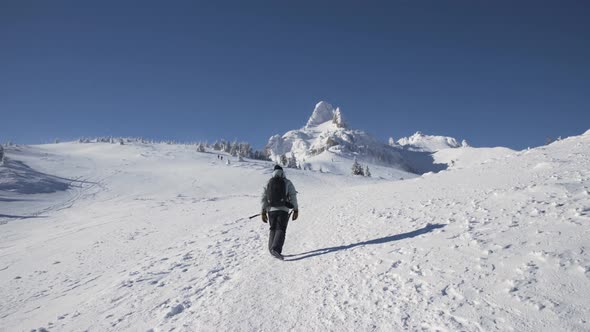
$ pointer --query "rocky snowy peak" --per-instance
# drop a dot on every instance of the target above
(428, 143)
(326, 131)
(322, 112)
(338, 120)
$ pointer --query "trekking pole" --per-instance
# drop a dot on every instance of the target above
(254, 216)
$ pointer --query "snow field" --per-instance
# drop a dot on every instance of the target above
(156, 237)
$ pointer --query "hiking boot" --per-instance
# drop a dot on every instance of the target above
(276, 254)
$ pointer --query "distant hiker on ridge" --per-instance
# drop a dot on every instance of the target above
(278, 197)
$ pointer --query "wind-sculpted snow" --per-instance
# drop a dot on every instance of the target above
(158, 238)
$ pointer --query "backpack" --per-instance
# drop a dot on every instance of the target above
(277, 192)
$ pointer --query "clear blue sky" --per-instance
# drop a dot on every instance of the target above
(497, 73)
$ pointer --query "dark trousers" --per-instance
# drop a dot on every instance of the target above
(278, 221)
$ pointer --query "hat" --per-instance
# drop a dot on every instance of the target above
(277, 167)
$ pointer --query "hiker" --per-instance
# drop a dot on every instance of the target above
(278, 197)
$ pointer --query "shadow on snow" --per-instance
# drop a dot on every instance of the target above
(421, 162)
(20, 178)
(19, 217)
(6, 199)
(426, 229)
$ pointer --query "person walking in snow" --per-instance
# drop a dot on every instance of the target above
(278, 197)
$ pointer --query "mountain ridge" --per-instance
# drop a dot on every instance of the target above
(326, 132)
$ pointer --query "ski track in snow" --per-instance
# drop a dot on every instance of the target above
(497, 247)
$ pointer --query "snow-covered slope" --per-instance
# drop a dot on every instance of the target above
(156, 237)
(469, 157)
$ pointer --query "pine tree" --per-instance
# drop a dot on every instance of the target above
(200, 147)
(245, 150)
(367, 171)
(357, 169)
(292, 161)
(1, 155)
(234, 149)
(284, 160)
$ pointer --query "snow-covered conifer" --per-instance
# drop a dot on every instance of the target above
(292, 163)
(367, 171)
(357, 169)
(226, 146)
(234, 149)
(245, 150)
